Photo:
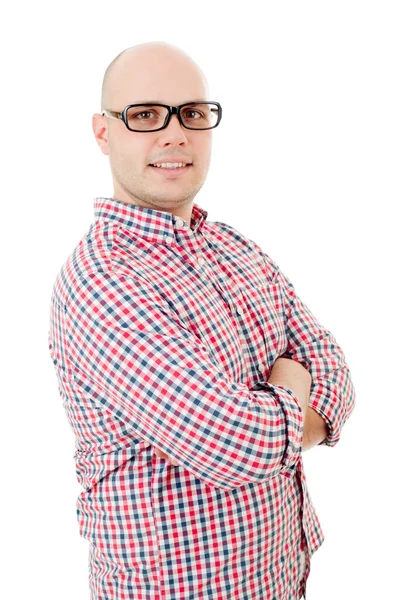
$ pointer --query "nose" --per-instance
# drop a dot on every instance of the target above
(174, 119)
(174, 130)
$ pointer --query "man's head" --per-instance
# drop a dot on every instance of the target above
(153, 72)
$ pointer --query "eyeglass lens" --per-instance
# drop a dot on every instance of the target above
(194, 116)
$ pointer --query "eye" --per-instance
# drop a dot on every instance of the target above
(192, 111)
(147, 112)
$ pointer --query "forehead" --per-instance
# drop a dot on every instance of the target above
(170, 81)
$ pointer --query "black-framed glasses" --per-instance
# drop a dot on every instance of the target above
(153, 117)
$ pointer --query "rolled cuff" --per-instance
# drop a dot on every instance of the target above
(294, 417)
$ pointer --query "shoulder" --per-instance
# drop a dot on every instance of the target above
(93, 253)
(234, 240)
(224, 232)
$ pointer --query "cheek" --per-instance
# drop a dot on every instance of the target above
(202, 150)
(132, 151)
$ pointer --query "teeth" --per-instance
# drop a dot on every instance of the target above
(170, 165)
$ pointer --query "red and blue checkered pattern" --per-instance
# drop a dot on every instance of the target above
(163, 336)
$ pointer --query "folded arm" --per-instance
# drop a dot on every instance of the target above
(332, 394)
(291, 374)
(130, 355)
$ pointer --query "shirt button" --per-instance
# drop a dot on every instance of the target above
(179, 222)
(201, 261)
(168, 239)
(260, 367)
(239, 311)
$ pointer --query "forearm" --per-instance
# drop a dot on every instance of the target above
(315, 429)
(291, 374)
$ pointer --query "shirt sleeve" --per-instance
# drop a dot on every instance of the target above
(332, 393)
(129, 352)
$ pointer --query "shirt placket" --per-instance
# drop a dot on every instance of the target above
(214, 275)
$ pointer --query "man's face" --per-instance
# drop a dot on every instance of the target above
(131, 153)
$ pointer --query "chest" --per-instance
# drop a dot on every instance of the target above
(222, 296)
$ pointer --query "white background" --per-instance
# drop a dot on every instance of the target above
(310, 172)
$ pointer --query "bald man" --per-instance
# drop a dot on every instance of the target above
(192, 374)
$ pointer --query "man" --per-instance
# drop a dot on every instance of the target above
(192, 374)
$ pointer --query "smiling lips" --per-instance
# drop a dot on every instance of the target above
(169, 165)
(172, 171)
(172, 162)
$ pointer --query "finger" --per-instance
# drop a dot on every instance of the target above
(161, 454)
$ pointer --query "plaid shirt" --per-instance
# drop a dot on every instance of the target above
(163, 335)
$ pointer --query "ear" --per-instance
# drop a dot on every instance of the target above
(99, 126)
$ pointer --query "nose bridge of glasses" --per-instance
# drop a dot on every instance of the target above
(174, 110)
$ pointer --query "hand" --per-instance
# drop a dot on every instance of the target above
(292, 375)
(161, 454)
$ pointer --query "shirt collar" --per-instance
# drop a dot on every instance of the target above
(155, 225)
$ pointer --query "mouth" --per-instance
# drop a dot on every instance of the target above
(172, 172)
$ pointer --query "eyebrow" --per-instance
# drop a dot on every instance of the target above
(160, 102)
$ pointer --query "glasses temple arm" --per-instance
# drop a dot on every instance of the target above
(112, 114)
